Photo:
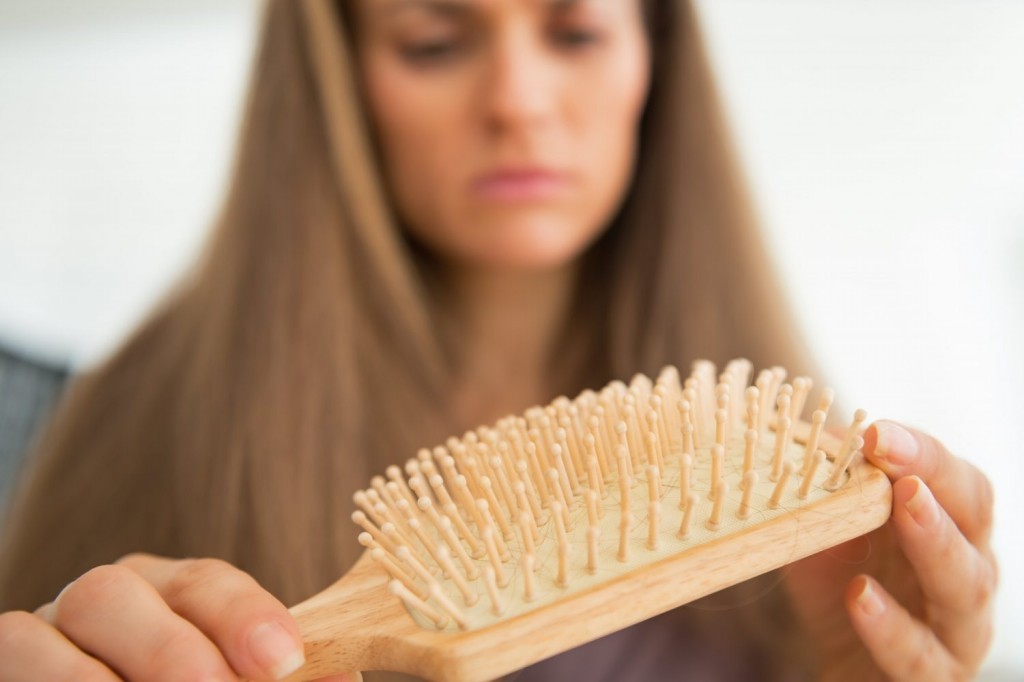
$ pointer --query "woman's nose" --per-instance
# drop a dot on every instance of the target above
(521, 85)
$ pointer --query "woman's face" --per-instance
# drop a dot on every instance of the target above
(508, 128)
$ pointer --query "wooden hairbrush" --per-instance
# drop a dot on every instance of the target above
(523, 540)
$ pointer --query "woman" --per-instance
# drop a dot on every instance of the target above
(531, 197)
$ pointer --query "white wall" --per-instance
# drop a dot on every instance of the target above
(884, 141)
(117, 120)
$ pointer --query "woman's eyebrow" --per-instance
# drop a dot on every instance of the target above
(441, 7)
(453, 7)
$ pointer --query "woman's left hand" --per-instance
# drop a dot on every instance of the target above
(913, 599)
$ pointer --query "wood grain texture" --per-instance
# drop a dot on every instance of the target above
(355, 624)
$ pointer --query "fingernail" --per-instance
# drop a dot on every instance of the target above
(869, 601)
(276, 650)
(895, 444)
(921, 505)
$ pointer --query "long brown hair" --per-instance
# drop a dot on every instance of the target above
(301, 355)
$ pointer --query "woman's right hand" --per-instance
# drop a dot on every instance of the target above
(150, 618)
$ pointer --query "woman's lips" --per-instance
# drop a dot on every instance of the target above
(516, 185)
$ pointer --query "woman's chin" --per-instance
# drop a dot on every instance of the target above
(526, 254)
(540, 245)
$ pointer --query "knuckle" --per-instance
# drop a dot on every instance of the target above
(13, 626)
(185, 650)
(96, 584)
(198, 576)
(17, 628)
(937, 458)
(986, 501)
(949, 543)
(103, 578)
(993, 565)
(173, 647)
(985, 584)
(915, 666)
(133, 558)
(918, 664)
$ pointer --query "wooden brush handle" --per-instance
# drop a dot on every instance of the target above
(354, 625)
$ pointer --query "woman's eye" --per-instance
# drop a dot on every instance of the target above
(576, 38)
(430, 51)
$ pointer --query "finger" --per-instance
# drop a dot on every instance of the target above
(902, 647)
(115, 615)
(31, 650)
(956, 579)
(251, 627)
(963, 491)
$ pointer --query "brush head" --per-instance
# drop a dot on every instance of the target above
(574, 495)
(585, 516)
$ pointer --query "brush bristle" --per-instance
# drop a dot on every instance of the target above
(512, 517)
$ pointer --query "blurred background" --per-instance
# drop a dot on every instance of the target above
(884, 142)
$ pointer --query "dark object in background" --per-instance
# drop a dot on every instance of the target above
(29, 389)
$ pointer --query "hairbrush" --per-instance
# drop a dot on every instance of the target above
(547, 530)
